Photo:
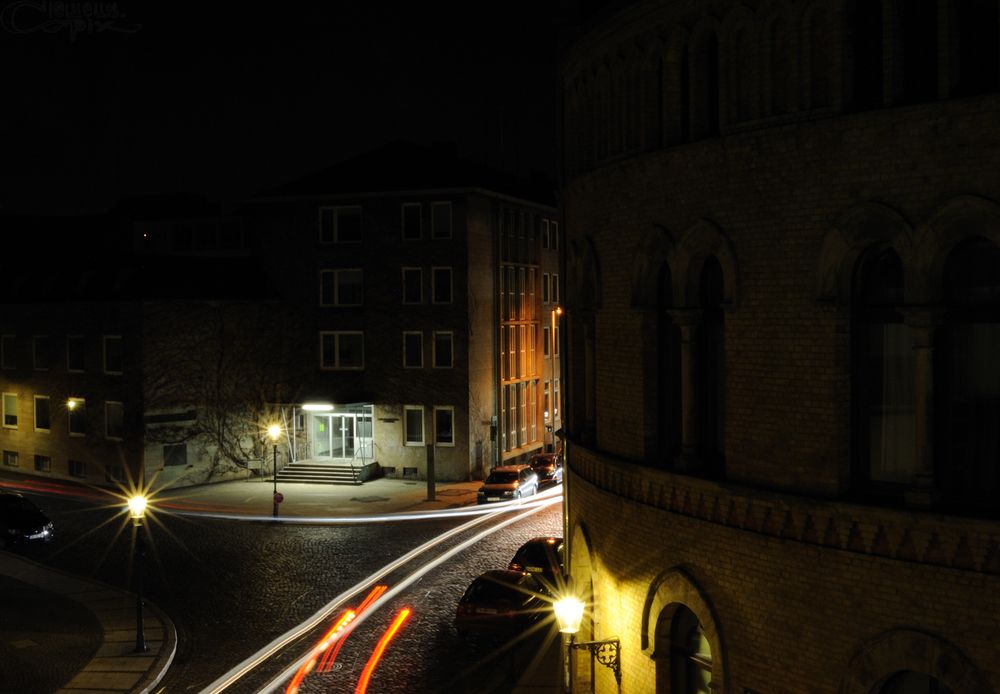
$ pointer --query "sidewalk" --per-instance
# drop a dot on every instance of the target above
(114, 667)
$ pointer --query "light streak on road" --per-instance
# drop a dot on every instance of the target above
(376, 655)
(330, 656)
(322, 646)
(289, 672)
(240, 670)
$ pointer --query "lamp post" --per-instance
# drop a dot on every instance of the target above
(569, 615)
(274, 432)
(137, 511)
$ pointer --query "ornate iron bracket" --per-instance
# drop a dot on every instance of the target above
(607, 652)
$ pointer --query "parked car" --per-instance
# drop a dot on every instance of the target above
(548, 467)
(500, 601)
(541, 557)
(21, 521)
(508, 482)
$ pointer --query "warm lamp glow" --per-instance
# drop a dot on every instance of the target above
(569, 614)
(558, 310)
(137, 506)
(71, 404)
(274, 431)
(317, 407)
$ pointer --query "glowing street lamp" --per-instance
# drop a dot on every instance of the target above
(274, 432)
(137, 512)
(569, 614)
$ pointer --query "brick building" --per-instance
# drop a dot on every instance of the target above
(783, 314)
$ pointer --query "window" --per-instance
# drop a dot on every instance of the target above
(413, 423)
(113, 354)
(545, 287)
(554, 292)
(43, 463)
(341, 287)
(555, 342)
(342, 349)
(10, 459)
(77, 468)
(545, 401)
(441, 285)
(413, 290)
(175, 455)
(40, 352)
(77, 416)
(114, 420)
(546, 345)
(42, 418)
(75, 347)
(441, 220)
(7, 359)
(555, 398)
(690, 655)
(340, 224)
(444, 421)
(10, 410)
(413, 350)
(411, 221)
(443, 350)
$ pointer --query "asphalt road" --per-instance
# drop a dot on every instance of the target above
(232, 586)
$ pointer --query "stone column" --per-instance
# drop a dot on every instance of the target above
(923, 321)
(688, 320)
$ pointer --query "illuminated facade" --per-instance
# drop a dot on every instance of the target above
(783, 311)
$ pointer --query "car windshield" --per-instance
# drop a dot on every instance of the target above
(501, 478)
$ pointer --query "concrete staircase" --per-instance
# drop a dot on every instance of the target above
(320, 472)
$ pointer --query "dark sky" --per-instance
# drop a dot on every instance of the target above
(228, 101)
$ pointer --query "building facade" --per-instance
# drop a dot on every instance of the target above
(783, 303)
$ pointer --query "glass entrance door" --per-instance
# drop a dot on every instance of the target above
(342, 435)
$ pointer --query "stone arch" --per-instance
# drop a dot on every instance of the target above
(585, 287)
(956, 220)
(856, 229)
(907, 649)
(655, 249)
(701, 240)
(668, 591)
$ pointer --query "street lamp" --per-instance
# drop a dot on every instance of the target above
(137, 511)
(569, 615)
(274, 431)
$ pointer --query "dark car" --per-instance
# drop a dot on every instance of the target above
(548, 467)
(541, 557)
(500, 601)
(21, 521)
(508, 482)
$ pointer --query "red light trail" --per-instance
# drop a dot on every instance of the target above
(376, 655)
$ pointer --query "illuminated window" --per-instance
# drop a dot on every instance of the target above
(340, 224)
(77, 417)
(113, 354)
(42, 418)
(341, 287)
(441, 220)
(75, 353)
(7, 359)
(342, 349)
(114, 420)
(444, 426)
(444, 350)
(413, 292)
(413, 424)
(412, 228)
(40, 352)
(10, 410)
(413, 350)
(441, 285)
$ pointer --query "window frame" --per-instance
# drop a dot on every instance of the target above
(450, 334)
(434, 284)
(35, 400)
(545, 288)
(104, 355)
(419, 272)
(451, 410)
(335, 300)
(41, 466)
(39, 341)
(420, 221)
(336, 211)
(82, 341)
(406, 425)
(9, 455)
(107, 420)
(441, 205)
(420, 335)
(80, 465)
(337, 334)
(4, 408)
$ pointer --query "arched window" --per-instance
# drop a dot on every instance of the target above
(779, 59)
(690, 655)
(740, 73)
(918, 23)
(909, 682)
(668, 371)
(704, 85)
(978, 41)
(883, 375)
(820, 73)
(711, 370)
(967, 454)
(867, 37)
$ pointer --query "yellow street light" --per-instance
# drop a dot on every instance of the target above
(569, 614)
(137, 508)
(137, 511)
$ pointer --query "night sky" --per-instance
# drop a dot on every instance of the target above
(225, 102)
